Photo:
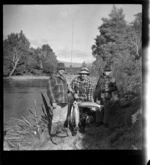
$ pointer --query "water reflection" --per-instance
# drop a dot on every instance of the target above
(20, 94)
(25, 83)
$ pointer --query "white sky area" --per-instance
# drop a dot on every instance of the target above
(54, 25)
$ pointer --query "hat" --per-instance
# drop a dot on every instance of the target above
(107, 68)
(60, 66)
(84, 70)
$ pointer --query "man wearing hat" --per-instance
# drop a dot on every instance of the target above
(105, 89)
(57, 92)
(82, 90)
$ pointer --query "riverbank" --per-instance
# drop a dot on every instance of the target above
(30, 78)
(26, 77)
(122, 134)
(97, 138)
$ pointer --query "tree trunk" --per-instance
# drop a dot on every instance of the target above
(14, 68)
(41, 65)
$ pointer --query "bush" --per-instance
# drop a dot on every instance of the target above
(130, 75)
(123, 133)
(36, 72)
(128, 138)
(48, 68)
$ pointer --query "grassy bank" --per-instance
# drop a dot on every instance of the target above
(122, 134)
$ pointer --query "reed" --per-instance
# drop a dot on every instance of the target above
(26, 132)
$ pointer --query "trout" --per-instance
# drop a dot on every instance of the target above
(94, 106)
(75, 113)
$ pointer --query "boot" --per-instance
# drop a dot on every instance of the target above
(74, 131)
(62, 131)
(54, 129)
(82, 124)
(66, 124)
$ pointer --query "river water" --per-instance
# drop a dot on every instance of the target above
(20, 94)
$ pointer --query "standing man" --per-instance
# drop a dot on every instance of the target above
(105, 91)
(57, 92)
(82, 90)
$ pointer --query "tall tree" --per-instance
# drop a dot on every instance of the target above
(112, 32)
(16, 48)
(135, 34)
(119, 44)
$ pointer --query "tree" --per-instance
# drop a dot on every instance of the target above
(112, 32)
(47, 58)
(110, 42)
(38, 57)
(16, 48)
(135, 34)
(119, 44)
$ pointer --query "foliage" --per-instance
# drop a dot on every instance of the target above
(123, 132)
(26, 133)
(48, 115)
(15, 49)
(47, 59)
(20, 58)
(128, 138)
(119, 44)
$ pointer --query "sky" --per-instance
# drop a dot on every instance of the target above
(70, 30)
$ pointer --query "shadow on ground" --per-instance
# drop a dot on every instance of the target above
(122, 133)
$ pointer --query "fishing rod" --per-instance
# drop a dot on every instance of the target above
(72, 46)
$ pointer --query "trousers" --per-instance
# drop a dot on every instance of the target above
(60, 113)
(103, 115)
(59, 117)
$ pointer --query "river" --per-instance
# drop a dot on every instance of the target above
(20, 94)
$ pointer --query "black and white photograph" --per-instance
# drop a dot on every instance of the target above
(72, 77)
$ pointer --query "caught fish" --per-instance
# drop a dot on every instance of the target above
(94, 106)
(75, 113)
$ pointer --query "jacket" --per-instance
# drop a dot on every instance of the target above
(83, 88)
(106, 88)
(57, 89)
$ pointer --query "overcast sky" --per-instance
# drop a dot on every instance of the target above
(54, 25)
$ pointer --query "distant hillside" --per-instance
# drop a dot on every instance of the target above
(74, 64)
(76, 67)
(73, 70)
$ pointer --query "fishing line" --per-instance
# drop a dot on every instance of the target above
(72, 46)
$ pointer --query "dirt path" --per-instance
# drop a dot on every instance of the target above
(93, 138)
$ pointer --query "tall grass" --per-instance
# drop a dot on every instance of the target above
(124, 133)
(26, 132)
